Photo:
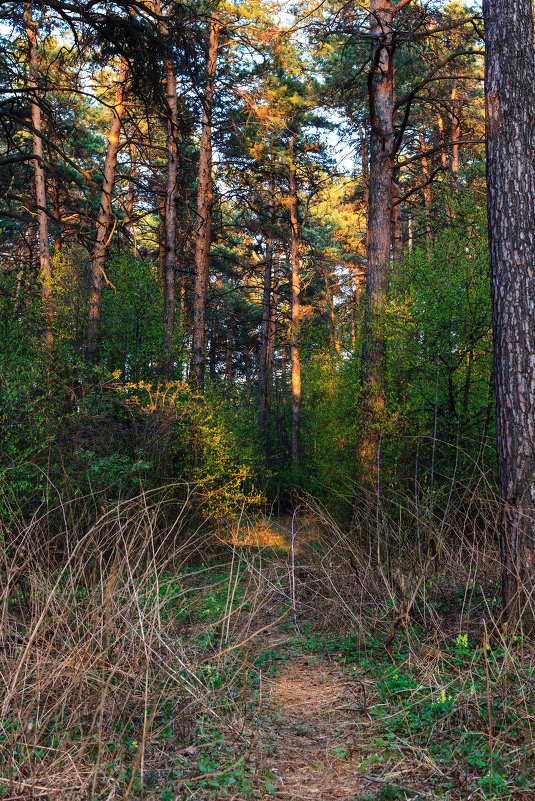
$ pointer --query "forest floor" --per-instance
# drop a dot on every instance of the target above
(335, 717)
(254, 666)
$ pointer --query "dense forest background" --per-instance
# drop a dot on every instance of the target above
(188, 367)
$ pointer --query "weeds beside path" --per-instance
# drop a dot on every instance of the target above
(236, 667)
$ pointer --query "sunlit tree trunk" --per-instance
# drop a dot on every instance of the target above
(265, 328)
(40, 183)
(455, 129)
(104, 216)
(296, 308)
(379, 229)
(510, 119)
(203, 228)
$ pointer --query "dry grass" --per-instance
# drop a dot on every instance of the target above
(143, 653)
(105, 658)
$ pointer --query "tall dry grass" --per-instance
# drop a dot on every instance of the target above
(106, 661)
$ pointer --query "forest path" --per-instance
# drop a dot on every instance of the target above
(310, 732)
(313, 736)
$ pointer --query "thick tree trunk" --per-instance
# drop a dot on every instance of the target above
(296, 309)
(510, 121)
(170, 218)
(203, 229)
(265, 328)
(40, 184)
(379, 229)
(103, 218)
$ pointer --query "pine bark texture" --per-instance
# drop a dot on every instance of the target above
(379, 229)
(203, 229)
(510, 121)
(104, 216)
(40, 182)
(296, 309)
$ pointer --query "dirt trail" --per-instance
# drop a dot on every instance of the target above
(311, 732)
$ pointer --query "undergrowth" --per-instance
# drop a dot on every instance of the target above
(137, 653)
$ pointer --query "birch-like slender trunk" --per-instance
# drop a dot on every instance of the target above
(203, 228)
(104, 216)
(40, 182)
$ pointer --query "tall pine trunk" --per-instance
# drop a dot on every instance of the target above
(170, 212)
(296, 309)
(40, 183)
(265, 328)
(103, 218)
(203, 228)
(379, 229)
(510, 120)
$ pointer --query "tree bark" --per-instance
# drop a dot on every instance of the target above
(455, 129)
(510, 120)
(265, 328)
(40, 183)
(170, 217)
(379, 228)
(296, 308)
(203, 229)
(104, 216)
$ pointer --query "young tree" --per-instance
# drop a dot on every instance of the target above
(510, 117)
